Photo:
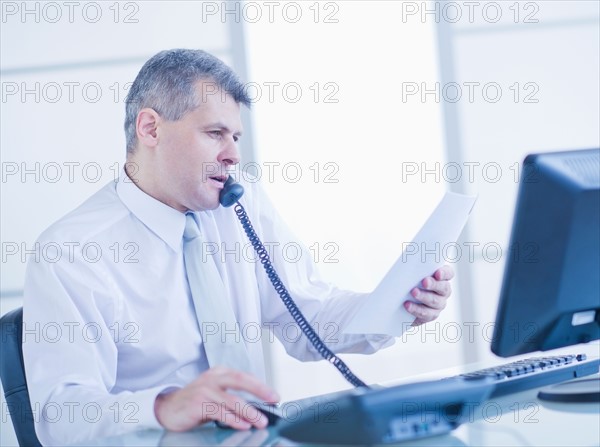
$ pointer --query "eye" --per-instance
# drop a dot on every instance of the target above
(215, 133)
(236, 138)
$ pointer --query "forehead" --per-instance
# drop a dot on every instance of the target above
(215, 106)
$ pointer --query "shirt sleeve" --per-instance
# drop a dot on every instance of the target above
(327, 308)
(71, 356)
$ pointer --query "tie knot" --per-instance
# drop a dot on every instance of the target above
(192, 230)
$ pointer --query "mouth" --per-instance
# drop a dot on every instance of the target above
(219, 180)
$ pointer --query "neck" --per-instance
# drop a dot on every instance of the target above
(142, 172)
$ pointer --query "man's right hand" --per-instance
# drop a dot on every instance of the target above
(207, 399)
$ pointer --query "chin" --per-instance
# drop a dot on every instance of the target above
(207, 205)
(203, 203)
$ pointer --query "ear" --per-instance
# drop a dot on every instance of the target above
(145, 126)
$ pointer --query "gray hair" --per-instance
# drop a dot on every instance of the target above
(166, 84)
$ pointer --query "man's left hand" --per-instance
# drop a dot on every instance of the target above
(431, 295)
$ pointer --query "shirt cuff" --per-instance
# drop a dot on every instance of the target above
(145, 399)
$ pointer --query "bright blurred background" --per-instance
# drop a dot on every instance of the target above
(365, 112)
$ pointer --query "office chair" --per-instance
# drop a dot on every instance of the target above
(12, 372)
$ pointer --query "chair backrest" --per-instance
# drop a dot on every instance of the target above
(12, 372)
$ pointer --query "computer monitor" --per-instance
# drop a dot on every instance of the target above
(550, 294)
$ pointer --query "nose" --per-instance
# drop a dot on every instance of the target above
(230, 155)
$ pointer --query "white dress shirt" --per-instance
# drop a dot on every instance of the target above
(109, 321)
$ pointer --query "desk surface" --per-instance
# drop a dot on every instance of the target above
(515, 420)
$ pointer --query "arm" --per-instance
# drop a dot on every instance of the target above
(70, 356)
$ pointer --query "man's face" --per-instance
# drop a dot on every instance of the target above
(194, 152)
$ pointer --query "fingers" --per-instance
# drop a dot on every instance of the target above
(444, 273)
(434, 300)
(438, 283)
(237, 380)
(432, 296)
(441, 288)
(233, 411)
(423, 313)
(234, 407)
(209, 398)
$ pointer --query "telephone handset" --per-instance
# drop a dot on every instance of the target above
(231, 194)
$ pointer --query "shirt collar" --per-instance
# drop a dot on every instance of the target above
(166, 222)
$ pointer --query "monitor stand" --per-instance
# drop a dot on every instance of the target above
(579, 390)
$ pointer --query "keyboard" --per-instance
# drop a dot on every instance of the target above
(534, 372)
(508, 378)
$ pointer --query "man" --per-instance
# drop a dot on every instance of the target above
(112, 334)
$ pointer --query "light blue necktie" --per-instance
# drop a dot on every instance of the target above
(223, 342)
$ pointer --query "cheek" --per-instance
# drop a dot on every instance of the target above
(185, 157)
(189, 155)
(195, 166)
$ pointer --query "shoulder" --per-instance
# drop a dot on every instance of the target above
(97, 214)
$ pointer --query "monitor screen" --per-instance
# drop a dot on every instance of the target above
(550, 294)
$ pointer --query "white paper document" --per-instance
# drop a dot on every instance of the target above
(383, 310)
